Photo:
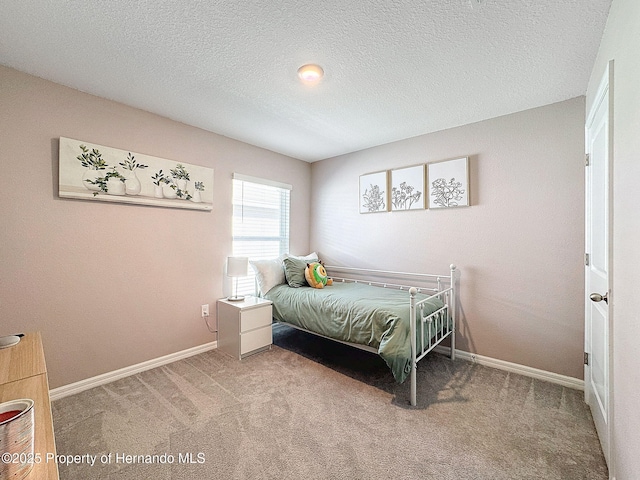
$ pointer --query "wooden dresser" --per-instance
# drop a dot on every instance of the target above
(23, 374)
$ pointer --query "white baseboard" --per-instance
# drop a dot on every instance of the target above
(563, 380)
(82, 385)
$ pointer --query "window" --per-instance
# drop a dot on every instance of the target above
(260, 222)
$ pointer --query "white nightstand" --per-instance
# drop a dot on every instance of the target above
(244, 327)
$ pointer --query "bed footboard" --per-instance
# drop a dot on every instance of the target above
(439, 325)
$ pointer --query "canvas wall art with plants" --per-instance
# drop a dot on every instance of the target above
(442, 184)
(407, 188)
(373, 192)
(96, 172)
(449, 183)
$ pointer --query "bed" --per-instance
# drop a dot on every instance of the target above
(400, 316)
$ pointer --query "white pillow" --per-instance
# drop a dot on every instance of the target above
(269, 273)
(312, 257)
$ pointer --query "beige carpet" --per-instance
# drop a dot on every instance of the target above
(313, 409)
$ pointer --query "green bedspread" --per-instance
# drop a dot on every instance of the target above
(355, 313)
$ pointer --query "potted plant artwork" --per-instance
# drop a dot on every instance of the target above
(180, 193)
(158, 181)
(112, 183)
(199, 187)
(181, 176)
(169, 188)
(132, 182)
(108, 174)
(115, 183)
(92, 160)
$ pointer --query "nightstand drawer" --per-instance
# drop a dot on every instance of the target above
(244, 327)
(256, 339)
(255, 318)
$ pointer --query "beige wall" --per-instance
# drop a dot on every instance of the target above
(112, 285)
(620, 44)
(519, 246)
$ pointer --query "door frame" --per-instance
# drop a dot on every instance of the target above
(605, 87)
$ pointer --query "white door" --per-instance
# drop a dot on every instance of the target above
(598, 269)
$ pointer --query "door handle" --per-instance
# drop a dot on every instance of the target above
(596, 297)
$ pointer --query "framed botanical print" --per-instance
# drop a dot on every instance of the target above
(407, 188)
(373, 192)
(448, 183)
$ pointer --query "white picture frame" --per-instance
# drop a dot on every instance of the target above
(448, 183)
(373, 192)
(406, 190)
(89, 171)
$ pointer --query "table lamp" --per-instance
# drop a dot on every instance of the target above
(237, 267)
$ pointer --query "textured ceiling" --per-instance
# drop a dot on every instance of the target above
(394, 69)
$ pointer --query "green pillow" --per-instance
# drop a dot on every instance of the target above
(294, 271)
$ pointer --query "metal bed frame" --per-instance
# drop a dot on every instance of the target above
(435, 336)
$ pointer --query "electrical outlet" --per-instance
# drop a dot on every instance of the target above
(205, 310)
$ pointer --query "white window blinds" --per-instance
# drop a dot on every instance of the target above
(260, 222)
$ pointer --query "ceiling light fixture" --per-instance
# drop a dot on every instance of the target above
(477, 3)
(310, 73)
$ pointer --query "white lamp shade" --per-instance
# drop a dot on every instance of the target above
(237, 266)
